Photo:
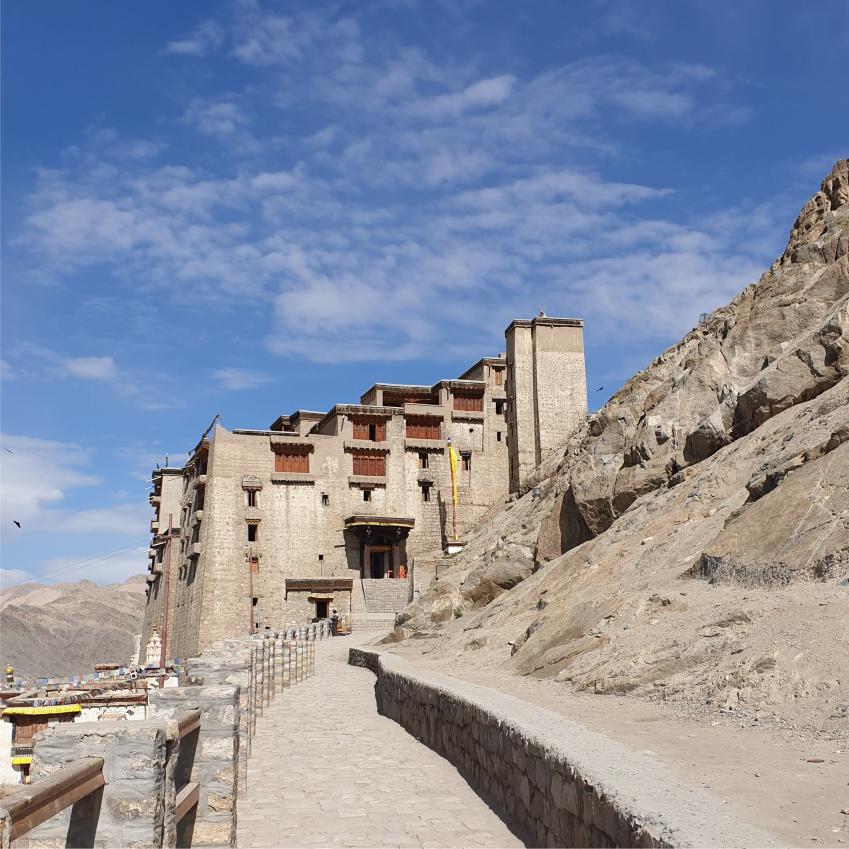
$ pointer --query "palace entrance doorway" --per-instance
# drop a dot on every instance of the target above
(382, 543)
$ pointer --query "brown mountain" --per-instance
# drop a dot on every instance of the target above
(691, 543)
(64, 629)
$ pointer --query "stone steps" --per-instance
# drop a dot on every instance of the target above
(386, 597)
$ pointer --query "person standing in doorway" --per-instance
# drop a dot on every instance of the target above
(334, 622)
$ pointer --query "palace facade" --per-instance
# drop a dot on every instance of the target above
(344, 508)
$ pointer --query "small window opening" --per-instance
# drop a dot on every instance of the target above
(498, 436)
(499, 376)
(251, 497)
(321, 557)
(499, 408)
(254, 564)
(372, 432)
(423, 460)
(325, 499)
(366, 495)
(253, 531)
(425, 493)
(467, 462)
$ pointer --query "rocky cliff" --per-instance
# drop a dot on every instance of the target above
(691, 542)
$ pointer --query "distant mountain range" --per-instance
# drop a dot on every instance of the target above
(64, 629)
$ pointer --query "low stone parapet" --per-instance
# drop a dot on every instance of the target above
(553, 781)
(209, 757)
(170, 780)
(136, 805)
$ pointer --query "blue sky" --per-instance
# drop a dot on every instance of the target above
(245, 208)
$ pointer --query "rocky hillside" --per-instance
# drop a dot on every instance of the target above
(691, 542)
(64, 629)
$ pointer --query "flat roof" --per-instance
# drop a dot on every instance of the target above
(380, 521)
(545, 321)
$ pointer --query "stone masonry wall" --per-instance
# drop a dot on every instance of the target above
(554, 782)
(147, 762)
(560, 385)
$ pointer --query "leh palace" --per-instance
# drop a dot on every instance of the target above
(352, 508)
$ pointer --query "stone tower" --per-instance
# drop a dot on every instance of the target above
(546, 389)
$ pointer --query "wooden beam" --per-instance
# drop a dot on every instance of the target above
(32, 804)
(187, 798)
(188, 721)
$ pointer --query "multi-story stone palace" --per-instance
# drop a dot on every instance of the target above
(268, 527)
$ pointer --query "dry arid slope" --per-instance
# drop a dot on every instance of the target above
(64, 629)
(691, 543)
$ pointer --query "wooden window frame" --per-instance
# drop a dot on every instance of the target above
(369, 428)
(468, 403)
(367, 464)
(292, 459)
(423, 427)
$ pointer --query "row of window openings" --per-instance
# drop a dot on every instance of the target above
(422, 428)
(325, 502)
(366, 465)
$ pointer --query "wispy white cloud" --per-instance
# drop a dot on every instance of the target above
(421, 191)
(91, 368)
(482, 94)
(109, 568)
(36, 474)
(237, 378)
(205, 39)
(219, 118)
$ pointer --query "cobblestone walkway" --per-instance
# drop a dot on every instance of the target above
(327, 770)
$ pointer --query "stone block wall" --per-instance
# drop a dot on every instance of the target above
(132, 808)
(554, 782)
(209, 757)
(147, 763)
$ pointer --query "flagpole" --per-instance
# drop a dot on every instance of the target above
(452, 462)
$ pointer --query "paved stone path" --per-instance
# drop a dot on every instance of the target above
(327, 770)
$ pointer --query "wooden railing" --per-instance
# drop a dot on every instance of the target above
(187, 796)
(32, 804)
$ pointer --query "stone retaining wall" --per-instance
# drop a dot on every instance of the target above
(553, 781)
(146, 763)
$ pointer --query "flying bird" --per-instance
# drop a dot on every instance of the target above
(599, 389)
(16, 522)
(9, 450)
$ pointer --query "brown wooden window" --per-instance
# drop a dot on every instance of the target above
(499, 376)
(292, 460)
(370, 429)
(254, 564)
(423, 428)
(469, 403)
(373, 465)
